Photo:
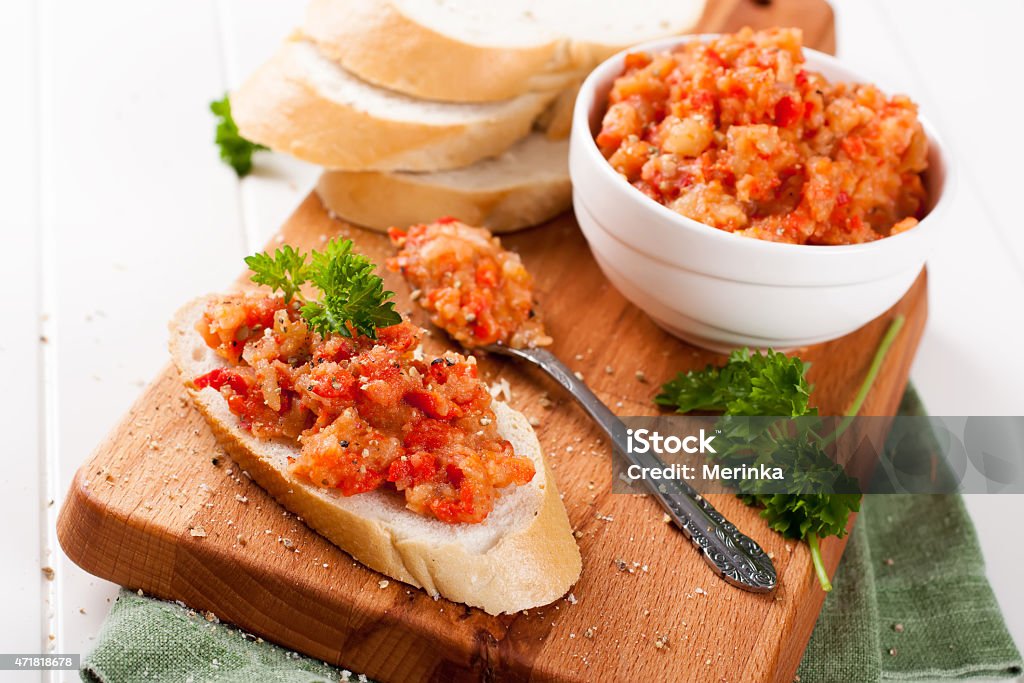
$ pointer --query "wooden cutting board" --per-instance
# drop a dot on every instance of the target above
(132, 509)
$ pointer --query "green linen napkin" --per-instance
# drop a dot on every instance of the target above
(144, 639)
(910, 602)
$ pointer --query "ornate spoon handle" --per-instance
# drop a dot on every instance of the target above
(733, 555)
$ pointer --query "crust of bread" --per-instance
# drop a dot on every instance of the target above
(369, 199)
(524, 195)
(283, 107)
(532, 562)
(556, 120)
(382, 45)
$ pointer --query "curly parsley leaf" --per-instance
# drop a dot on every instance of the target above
(749, 384)
(353, 294)
(828, 495)
(285, 271)
(235, 151)
(352, 297)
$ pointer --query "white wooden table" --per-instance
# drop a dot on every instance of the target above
(114, 208)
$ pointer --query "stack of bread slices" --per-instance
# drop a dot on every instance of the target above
(424, 108)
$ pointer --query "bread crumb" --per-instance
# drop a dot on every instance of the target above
(590, 632)
(241, 499)
(666, 519)
(661, 642)
(572, 599)
(48, 572)
(197, 532)
(501, 388)
(641, 377)
(382, 584)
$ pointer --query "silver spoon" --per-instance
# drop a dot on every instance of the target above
(737, 558)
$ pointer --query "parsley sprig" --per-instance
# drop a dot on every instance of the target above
(352, 296)
(748, 384)
(774, 385)
(235, 151)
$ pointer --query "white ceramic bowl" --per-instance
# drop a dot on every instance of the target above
(720, 290)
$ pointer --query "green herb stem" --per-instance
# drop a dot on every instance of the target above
(876, 364)
(819, 562)
(869, 379)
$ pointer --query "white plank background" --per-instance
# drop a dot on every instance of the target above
(114, 209)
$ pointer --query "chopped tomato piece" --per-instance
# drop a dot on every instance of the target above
(219, 378)
(788, 111)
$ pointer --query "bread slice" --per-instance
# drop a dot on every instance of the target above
(472, 51)
(525, 186)
(523, 555)
(303, 104)
(556, 120)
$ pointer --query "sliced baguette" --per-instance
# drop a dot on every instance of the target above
(556, 120)
(472, 51)
(304, 104)
(523, 555)
(392, 45)
(525, 186)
